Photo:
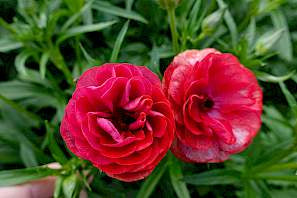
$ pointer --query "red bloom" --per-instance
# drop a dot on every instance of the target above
(217, 104)
(119, 119)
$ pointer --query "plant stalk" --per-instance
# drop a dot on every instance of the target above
(172, 23)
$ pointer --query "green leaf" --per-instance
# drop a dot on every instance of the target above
(192, 22)
(74, 17)
(56, 151)
(34, 118)
(250, 189)
(8, 154)
(104, 6)
(39, 95)
(87, 56)
(284, 45)
(58, 186)
(251, 33)
(281, 166)
(18, 176)
(27, 155)
(176, 177)
(118, 43)
(230, 23)
(70, 185)
(280, 176)
(74, 31)
(271, 156)
(42, 65)
(283, 193)
(129, 4)
(214, 177)
(155, 60)
(290, 98)
(74, 5)
(7, 45)
(20, 61)
(150, 183)
(271, 78)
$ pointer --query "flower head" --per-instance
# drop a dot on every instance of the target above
(217, 104)
(119, 119)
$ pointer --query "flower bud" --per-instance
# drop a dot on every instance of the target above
(211, 22)
(168, 4)
(267, 41)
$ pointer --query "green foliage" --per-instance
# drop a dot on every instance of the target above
(46, 45)
(12, 177)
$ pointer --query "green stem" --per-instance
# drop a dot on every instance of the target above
(171, 14)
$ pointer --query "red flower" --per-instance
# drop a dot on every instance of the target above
(119, 119)
(217, 104)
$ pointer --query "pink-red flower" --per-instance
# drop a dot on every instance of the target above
(120, 120)
(217, 104)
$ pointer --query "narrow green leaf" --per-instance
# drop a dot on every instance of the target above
(176, 177)
(155, 60)
(104, 6)
(270, 156)
(284, 45)
(118, 43)
(7, 26)
(129, 4)
(8, 154)
(58, 186)
(193, 16)
(42, 65)
(214, 177)
(18, 176)
(290, 98)
(69, 186)
(21, 109)
(196, 24)
(84, 29)
(7, 45)
(56, 152)
(87, 55)
(283, 193)
(251, 33)
(20, 62)
(294, 78)
(74, 17)
(74, 5)
(265, 191)
(276, 176)
(250, 189)
(271, 78)
(230, 23)
(88, 16)
(282, 166)
(150, 183)
(27, 155)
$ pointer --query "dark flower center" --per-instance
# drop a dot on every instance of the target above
(208, 103)
(122, 119)
(205, 103)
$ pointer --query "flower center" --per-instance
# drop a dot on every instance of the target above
(205, 103)
(122, 119)
(208, 103)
